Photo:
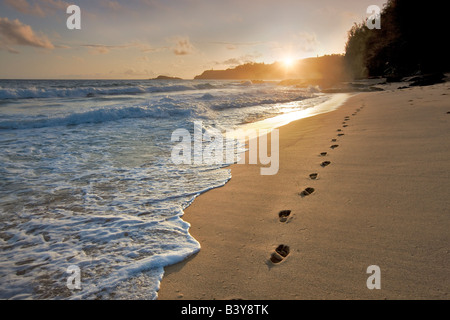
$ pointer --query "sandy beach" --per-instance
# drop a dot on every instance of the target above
(382, 200)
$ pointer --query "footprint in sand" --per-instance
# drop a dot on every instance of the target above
(313, 176)
(325, 163)
(283, 215)
(307, 192)
(345, 125)
(334, 146)
(448, 112)
(323, 154)
(339, 130)
(333, 140)
(340, 134)
(281, 252)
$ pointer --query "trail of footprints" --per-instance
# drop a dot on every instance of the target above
(282, 251)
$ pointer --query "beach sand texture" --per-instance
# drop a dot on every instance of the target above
(379, 196)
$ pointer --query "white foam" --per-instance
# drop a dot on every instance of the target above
(37, 92)
(89, 182)
(96, 116)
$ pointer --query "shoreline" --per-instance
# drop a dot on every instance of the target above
(381, 201)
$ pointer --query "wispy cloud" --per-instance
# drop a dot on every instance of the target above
(229, 45)
(40, 8)
(62, 46)
(101, 48)
(182, 46)
(23, 6)
(14, 32)
(306, 42)
(240, 60)
(10, 50)
(114, 6)
(104, 49)
(296, 45)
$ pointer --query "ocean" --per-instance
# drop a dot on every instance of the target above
(87, 179)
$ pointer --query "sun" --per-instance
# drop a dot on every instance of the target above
(288, 62)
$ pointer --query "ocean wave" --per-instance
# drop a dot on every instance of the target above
(97, 116)
(66, 92)
(203, 86)
(255, 101)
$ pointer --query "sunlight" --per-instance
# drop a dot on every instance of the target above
(288, 62)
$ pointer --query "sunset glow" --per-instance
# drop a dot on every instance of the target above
(143, 39)
(288, 62)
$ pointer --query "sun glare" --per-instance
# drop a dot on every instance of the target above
(288, 62)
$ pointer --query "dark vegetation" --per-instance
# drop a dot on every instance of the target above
(411, 41)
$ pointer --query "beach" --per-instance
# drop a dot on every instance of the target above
(88, 179)
(380, 198)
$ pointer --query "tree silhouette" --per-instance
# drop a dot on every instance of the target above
(411, 40)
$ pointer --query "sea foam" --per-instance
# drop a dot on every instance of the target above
(87, 178)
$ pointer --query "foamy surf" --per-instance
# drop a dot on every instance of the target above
(87, 179)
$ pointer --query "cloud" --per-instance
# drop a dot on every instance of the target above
(112, 5)
(295, 45)
(231, 61)
(24, 7)
(98, 48)
(104, 49)
(40, 8)
(306, 42)
(16, 33)
(63, 46)
(240, 60)
(11, 50)
(182, 46)
(235, 45)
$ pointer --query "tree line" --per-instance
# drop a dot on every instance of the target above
(412, 40)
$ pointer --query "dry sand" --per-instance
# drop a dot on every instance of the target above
(383, 200)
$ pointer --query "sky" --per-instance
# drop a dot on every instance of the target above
(141, 39)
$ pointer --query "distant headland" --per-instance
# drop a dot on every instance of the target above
(317, 70)
(166, 78)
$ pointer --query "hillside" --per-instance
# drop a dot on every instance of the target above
(410, 41)
(328, 68)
